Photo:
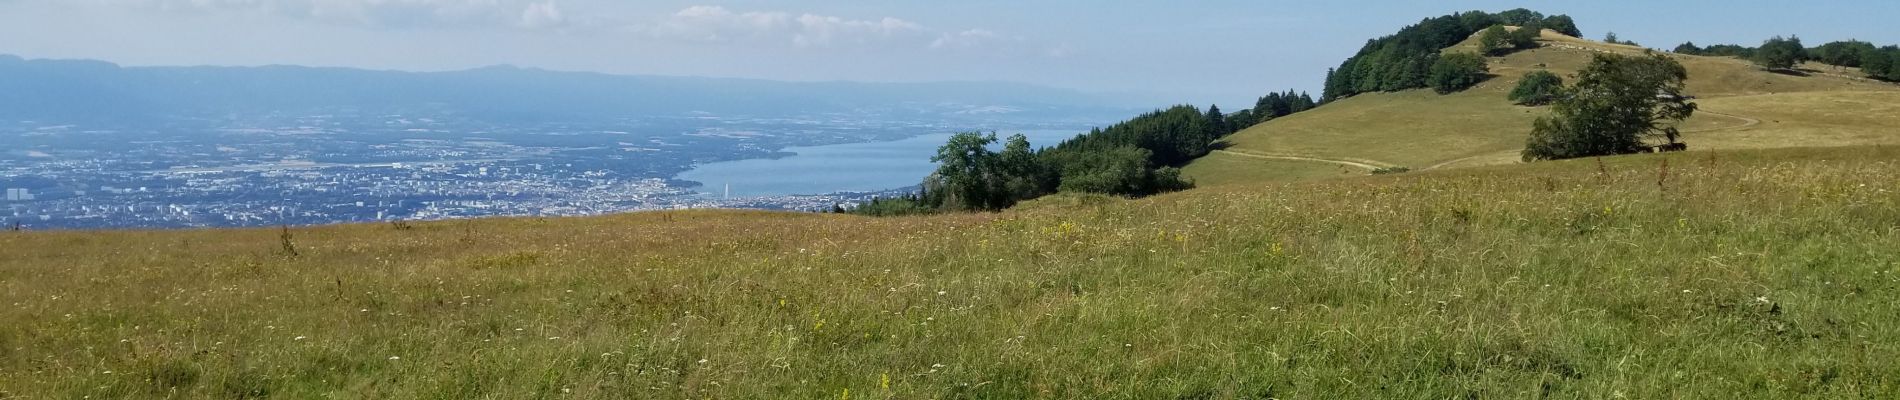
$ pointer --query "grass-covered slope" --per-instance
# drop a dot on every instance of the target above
(1740, 274)
(1742, 107)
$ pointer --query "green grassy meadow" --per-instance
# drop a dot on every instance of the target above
(1731, 274)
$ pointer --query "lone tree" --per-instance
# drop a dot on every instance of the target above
(1617, 103)
(1494, 40)
(1537, 88)
(1498, 40)
(1779, 53)
(968, 173)
(1456, 72)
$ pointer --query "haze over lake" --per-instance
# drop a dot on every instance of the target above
(853, 167)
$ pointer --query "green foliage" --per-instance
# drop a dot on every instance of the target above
(1780, 53)
(1457, 71)
(1610, 37)
(1687, 48)
(967, 173)
(1726, 50)
(1404, 60)
(1617, 103)
(895, 207)
(1525, 37)
(1849, 54)
(1120, 170)
(1138, 157)
(1537, 88)
(1562, 24)
(1495, 40)
(1883, 63)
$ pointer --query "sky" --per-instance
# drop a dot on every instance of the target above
(1216, 51)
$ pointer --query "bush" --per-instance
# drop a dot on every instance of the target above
(1456, 72)
(1537, 88)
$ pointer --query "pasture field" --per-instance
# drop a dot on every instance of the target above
(1730, 274)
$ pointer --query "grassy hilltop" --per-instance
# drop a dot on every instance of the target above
(1742, 107)
(1759, 265)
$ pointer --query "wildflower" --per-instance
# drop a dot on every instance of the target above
(703, 361)
(394, 358)
(299, 338)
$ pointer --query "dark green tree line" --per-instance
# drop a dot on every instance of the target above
(1405, 59)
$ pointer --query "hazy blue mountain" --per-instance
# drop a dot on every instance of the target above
(88, 91)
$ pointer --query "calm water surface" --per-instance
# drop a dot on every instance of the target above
(855, 167)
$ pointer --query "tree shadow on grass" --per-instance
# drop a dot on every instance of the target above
(1792, 72)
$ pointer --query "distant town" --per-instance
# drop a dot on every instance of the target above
(344, 168)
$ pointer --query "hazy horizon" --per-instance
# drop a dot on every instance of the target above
(1224, 52)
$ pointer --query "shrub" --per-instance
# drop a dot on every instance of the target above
(1456, 72)
(1537, 88)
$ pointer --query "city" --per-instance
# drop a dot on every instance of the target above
(344, 168)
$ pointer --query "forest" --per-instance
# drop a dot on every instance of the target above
(1407, 59)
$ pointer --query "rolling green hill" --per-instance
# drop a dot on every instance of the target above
(1743, 107)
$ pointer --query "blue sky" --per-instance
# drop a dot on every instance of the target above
(1179, 51)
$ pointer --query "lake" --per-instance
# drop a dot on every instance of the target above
(853, 167)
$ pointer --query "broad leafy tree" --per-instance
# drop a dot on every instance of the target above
(1495, 40)
(1780, 53)
(1537, 88)
(1458, 71)
(967, 172)
(1618, 103)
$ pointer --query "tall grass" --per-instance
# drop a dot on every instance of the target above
(1754, 274)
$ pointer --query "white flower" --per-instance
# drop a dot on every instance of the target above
(702, 361)
(299, 338)
(394, 358)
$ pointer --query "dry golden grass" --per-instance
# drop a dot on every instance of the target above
(1421, 129)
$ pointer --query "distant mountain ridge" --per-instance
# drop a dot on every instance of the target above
(90, 90)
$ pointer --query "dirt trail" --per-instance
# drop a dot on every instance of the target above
(1368, 165)
(1746, 123)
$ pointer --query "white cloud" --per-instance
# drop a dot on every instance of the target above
(964, 39)
(388, 13)
(542, 15)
